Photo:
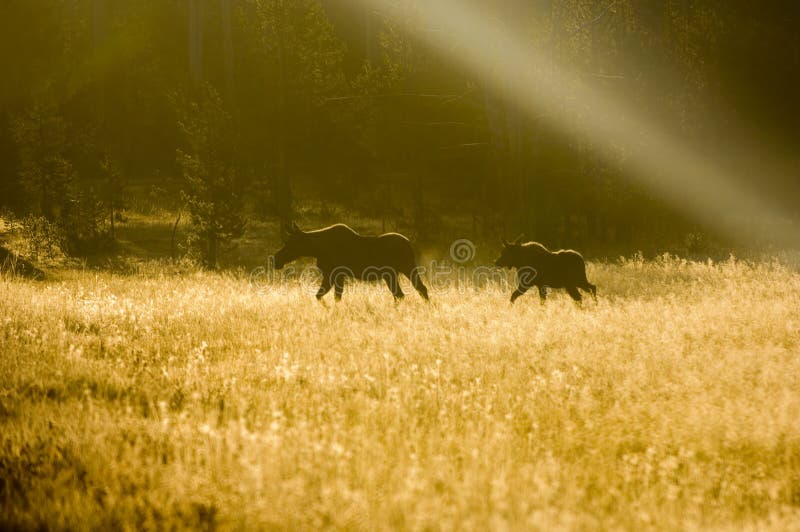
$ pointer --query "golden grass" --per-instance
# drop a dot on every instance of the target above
(197, 401)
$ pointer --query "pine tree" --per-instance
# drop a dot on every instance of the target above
(208, 162)
(300, 59)
(45, 172)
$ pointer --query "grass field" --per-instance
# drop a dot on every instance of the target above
(195, 400)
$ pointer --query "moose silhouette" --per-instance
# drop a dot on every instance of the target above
(342, 253)
(538, 266)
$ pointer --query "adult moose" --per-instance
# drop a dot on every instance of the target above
(538, 266)
(342, 253)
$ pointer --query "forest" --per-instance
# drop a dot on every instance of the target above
(610, 125)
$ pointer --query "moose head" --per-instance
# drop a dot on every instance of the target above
(509, 256)
(294, 245)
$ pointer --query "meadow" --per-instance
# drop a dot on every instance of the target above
(165, 399)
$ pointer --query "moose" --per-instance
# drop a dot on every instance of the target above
(342, 253)
(538, 266)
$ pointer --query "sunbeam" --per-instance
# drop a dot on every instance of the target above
(702, 185)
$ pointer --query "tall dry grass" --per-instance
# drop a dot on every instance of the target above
(198, 401)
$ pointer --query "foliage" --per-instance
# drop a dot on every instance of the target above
(45, 172)
(71, 203)
(338, 102)
(212, 189)
(298, 57)
(39, 239)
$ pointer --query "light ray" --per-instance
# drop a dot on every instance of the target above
(667, 164)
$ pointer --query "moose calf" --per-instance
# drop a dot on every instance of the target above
(538, 266)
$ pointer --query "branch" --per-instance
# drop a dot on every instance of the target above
(434, 124)
(465, 145)
(593, 21)
(447, 97)
(605, 76)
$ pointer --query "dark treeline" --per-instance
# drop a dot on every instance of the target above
(240, 109)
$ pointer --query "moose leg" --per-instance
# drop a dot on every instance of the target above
(324, 288)
(574, 294)
(592, 289)
(416, 280)
(542, 294)
(338, 287)
(394, 285)
(521, 289)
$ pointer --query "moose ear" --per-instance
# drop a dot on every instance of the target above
(286, 232)
(294, 228)
(505, 242)
(519, 240)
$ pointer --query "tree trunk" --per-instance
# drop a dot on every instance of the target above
(99, 38)
(196, 39)
(368, 45)
(113, 230)
(283, 190)
(211, 260)
(498, 149)
(227, 48)
(172, 247)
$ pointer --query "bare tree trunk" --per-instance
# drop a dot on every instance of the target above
(516, 177)
(227, 48)
(513, 123)
(111, 209)
(498, 144)
(172, 247)
(212, 251)
(283, 199)
(368, 45)
(196, 39)
(99, 38)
